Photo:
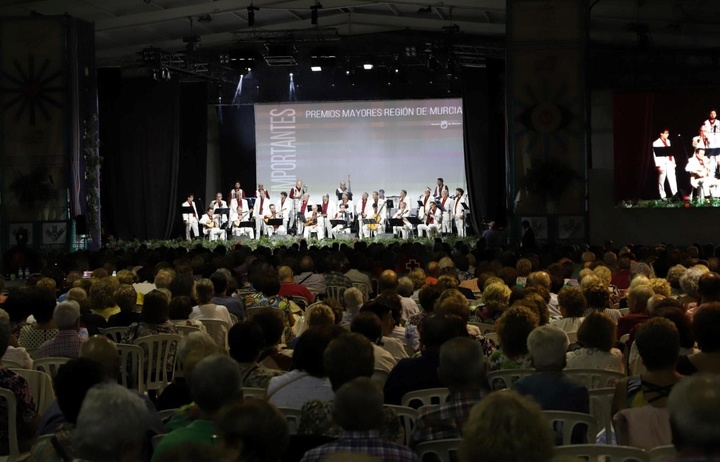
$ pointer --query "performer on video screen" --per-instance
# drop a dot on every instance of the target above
(665, 165)
(702, 174)
(712, 124)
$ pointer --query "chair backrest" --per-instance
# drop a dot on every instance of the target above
(159, 359)
(114, 333)
(132, 359)
(425, 397)
(499, 380)
(233, 318)
(293, 419)
(166, 414)
(663, 454)
(569, 421)
(380, 376)
(624, 311)
(11, 364)
(594, 378)
(257, 393)
(49, 365)
(9, 397)
(572, 337)
(217, 329)
(186, 330)
(156, 440)
(600, 408)
(441, 449)
(363, 288)
(591, 453)
(492, 336)
(41, 388)
(407, 417)
(250, 312)
(335, 292)
(484, 328)
(302, 302)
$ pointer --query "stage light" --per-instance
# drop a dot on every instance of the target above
(291, 74)
(314, 13)
(397, 70)
(251, 14)
(316, 68)
(367, 67)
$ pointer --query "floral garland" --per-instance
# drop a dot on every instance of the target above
(93, 161)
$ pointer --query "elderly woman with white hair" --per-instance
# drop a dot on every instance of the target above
(689, 285)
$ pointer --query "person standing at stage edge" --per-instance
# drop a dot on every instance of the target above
(665, 165)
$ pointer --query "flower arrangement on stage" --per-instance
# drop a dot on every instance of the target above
(685, 203)
(93, 160)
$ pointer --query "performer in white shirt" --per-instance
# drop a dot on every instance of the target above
(327, 211)
(369, 230)
(342, 214)
(425, 200)
(237, 215)
(273, 229)
(190, 218)
(702, 175)
(381, 208)
(236, 193)
(446, 210)
(284, 208)
(401, 214)
(441, 186)
(345, 200)
(459, 211)
(296, 194)
(260, 209)
(433, 221)
(665, 165)
(342, 189)
(211, 225)
(302, 207)
(712, 124)
(312, 223)
(218, 203)
(363, 210)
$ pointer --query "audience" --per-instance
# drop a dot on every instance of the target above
(67, 342)
(495, 297)
(220, 280)
(638, 297)
(126, 298)
(369, 325)
(252, 431)
(694, 406)
(706, 327)
(204, 291)
(572, 307)
(246, 341)
(596, 336)
(354, 300)
(42, 305)
(513, 329)
(102, 298)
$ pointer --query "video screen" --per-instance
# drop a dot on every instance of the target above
(667, 149)
(390, 145)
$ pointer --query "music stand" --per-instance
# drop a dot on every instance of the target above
(389, 204)
(711, 152)
(414, 220)
(440, 207)
(274, 222)
(246, 224)
(338, 222)
(665, 151)
(420, 204)
(396, 222)
(370, 221)
(186, 209)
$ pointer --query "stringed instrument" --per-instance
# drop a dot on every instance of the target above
(373, 227)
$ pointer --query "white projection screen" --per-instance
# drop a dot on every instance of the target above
(390, 145)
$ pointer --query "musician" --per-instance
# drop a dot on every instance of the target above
(381, 209)
(312, 223)
(236, 193)
(433, 221)
(459, 211)
(401, 214)
(446, 210)
(284, 208)
(190, 219)
(260, 209)
(273, 229)
(425, 199)
(364, 207)
(211, 225)
(345, 200)
(368, 230)
(327, 210)
(665, 165)
(703, 139)
(439, 188)
(712, 124)
(218, 203)
(300, 210)
(239, 214)
(341, 214)
(296, 194)
(342, 189)
(702, 175)
(404, 198)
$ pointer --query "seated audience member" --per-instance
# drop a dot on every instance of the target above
(452, 302)
(307, 380)
(314, 282)
(316, 416)
(552, 390)
(369, 325)
(637, 303)
(272, 356)
(252, 431)
(427, 297)
(404, 290)
(289, 288)
(536, 298)
(26, 415)
(421, 371)
(506, 426)
(706, 326)
(596, 336)
(19, 354)
(689, 284)
(67, 342)
(42, 306)
(112, 425)
(598, 299)
(154, 318)
(462, 371)
(126, 298)
(192, 451)
(317, 315)
(359, 412)
(246, 341)
(221, 280)
(694, 406)
(266, 281)
(192, 349)
(179, 311)
(204, 291)
(91, 321)
(18, 306)
(658, 342)
(495, 297)
(542, 279)
(102, 298)
(572, 307)
(214, 382)
(513, 329)
(353, 299)
(387, 307)
(71, 384)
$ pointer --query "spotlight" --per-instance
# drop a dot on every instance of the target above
(347, 72)
(397, 70)
(367, 67)
(316, 68)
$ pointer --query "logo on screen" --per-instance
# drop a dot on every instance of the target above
(444, 124)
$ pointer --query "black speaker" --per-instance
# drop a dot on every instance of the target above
(81, 225)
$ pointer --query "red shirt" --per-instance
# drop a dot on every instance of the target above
(291, 289)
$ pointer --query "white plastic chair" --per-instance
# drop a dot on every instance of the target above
(594, 378)
(335, 292)
(663, 454)
(250, 312)
(233, 318)
(11, 364)
(166, 414)
(363, 288)
(591, 453)
(442, 449)
(114, 333)
(293, 419)
(9, 396)
(217, 329)
(600, 408)
(49, 365)
(624, 311)
(499, 380)
(407, 417)
(426, 397)
(186, 330)
(492, 336)
(380, 376)
(256, 393)
(569, 421)
(484, 328)
(572, 337)
(41, 388)
(132, 358)
(159, 359)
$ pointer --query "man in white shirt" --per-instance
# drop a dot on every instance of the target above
(218, 203)
(313, 223)
(702, 175)
(273, 229)
(211, 225)
(459, 211)
(190, 217)
(327, 211)
(401, 214)
(260, 209)
(446, 208)
(665, 165)
(239, 214)
(433, 221)
(425, 201)
(343, 215)
(284, 208)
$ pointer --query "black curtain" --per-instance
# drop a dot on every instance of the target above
(236, 131)
(153, 137)
(484, 142)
